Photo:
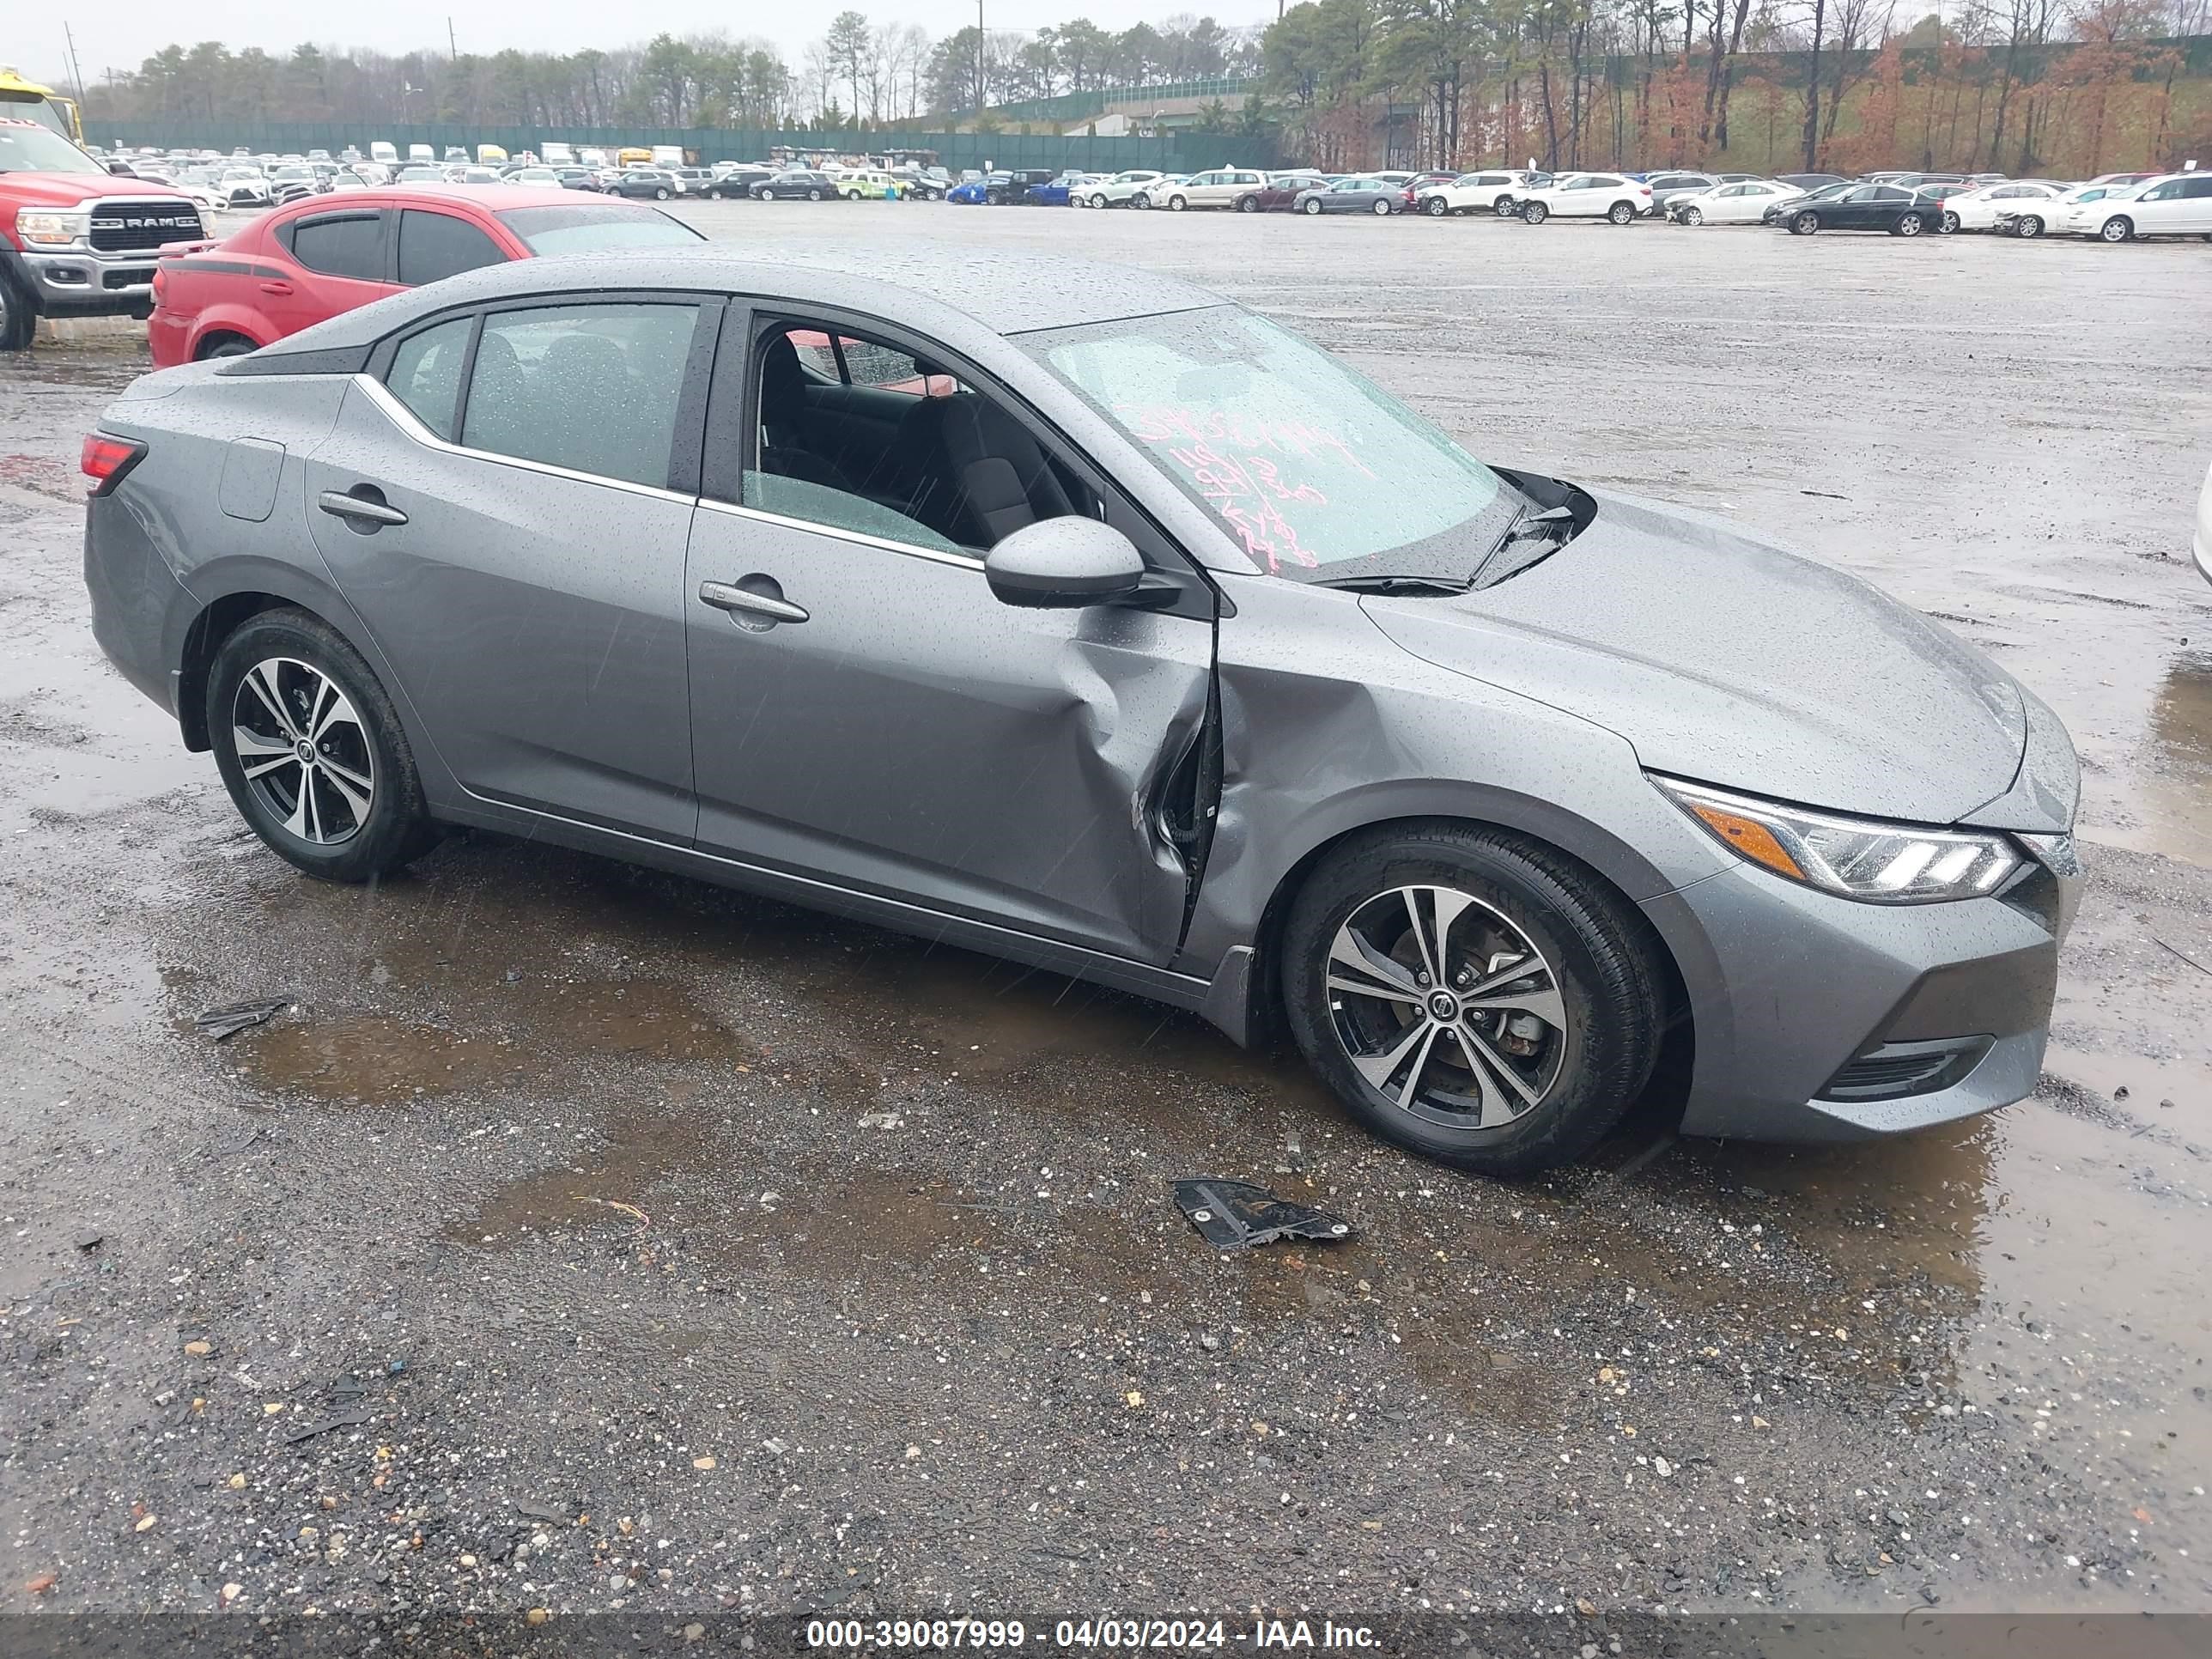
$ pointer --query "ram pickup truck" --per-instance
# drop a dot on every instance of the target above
(76, 240)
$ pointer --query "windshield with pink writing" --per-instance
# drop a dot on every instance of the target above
(1313, 469)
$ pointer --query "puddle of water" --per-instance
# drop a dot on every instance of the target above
(365, 1059)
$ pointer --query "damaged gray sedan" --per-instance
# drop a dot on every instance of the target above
(1075, 615)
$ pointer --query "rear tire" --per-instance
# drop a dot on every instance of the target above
(660, 194)
(227, 345)
(1383, 207)
(317, 816)
(1908, 224)
(813, 195)
(1530, 1076)
(1948, 225)
(1506, 208)
(1622, 214)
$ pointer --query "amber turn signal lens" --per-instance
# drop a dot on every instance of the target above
(1749, 837)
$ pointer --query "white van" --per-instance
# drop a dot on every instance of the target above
(558, 155)
(421, 152)
(590, 157)
(668, 155)
(381, 151)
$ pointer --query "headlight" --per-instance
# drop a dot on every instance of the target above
(49, 230)
(1860, 859)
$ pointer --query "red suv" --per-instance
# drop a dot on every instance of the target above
(315, 258)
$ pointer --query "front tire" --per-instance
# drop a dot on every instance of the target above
(2117, 228)
(2027, 228)
(1247, 204)
(312, 751)
(1313, 207)
(1535, 213)
(1437, 207)
(1804, 224)
(1098, 200)
(1694, 216)
(1472, 996)
(19, 322)
(1177, 204)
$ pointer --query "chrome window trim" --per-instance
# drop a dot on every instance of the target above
(959, 561)
(411, 425)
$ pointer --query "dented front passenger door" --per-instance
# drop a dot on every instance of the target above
(869, 715)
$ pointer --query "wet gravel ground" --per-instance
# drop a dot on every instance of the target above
(579, 1237)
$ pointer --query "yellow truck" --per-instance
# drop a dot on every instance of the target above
(27, 100)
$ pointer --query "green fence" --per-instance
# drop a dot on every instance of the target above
(1077, 106)
(1178, 153)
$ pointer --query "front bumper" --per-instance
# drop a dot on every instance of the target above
(78, 282)
(1799, 997)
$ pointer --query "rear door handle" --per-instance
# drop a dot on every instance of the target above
(360, 508)
(275, 287)
(745, 602)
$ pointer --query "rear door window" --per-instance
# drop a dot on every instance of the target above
(438, 245)
(340, 245)
(589, 388)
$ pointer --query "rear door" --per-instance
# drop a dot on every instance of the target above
(338, 260)
(880, 721)
(2196, 205)
(505, 500)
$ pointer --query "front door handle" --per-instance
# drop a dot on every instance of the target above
(748, 602)
(366, 511)
(277, 288)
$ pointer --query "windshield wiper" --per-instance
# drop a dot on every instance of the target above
(1410, 586)
(1555, 524)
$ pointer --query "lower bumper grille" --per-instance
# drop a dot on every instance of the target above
(1898, 1069)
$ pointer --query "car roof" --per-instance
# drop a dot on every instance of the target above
(998, 291)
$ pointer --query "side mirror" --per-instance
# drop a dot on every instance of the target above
(1063, 564)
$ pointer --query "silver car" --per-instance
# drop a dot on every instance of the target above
(1073, 614)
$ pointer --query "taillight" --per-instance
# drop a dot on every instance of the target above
(160, 280)
(106, 459)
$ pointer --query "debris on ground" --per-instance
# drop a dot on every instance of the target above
(1234, 1215)
(337, 1420)
(221, 1023)
(636, 1214)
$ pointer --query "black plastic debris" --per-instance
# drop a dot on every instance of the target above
(221, 1023)
(1234, 1215)
(337, 1420)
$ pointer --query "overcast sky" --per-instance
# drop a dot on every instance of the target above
(121, 33)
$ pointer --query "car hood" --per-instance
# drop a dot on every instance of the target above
(69, 189)
(1733, 663)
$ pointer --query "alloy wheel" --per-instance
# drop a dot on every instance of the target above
(1694, 216)
(303, 751)
(1446, 1007)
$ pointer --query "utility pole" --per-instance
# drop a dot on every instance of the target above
(453, 47)
(75, 69)
(979, 56)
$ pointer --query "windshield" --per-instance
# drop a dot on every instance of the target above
(35, 149)
(590, 225)
(1315, 471)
